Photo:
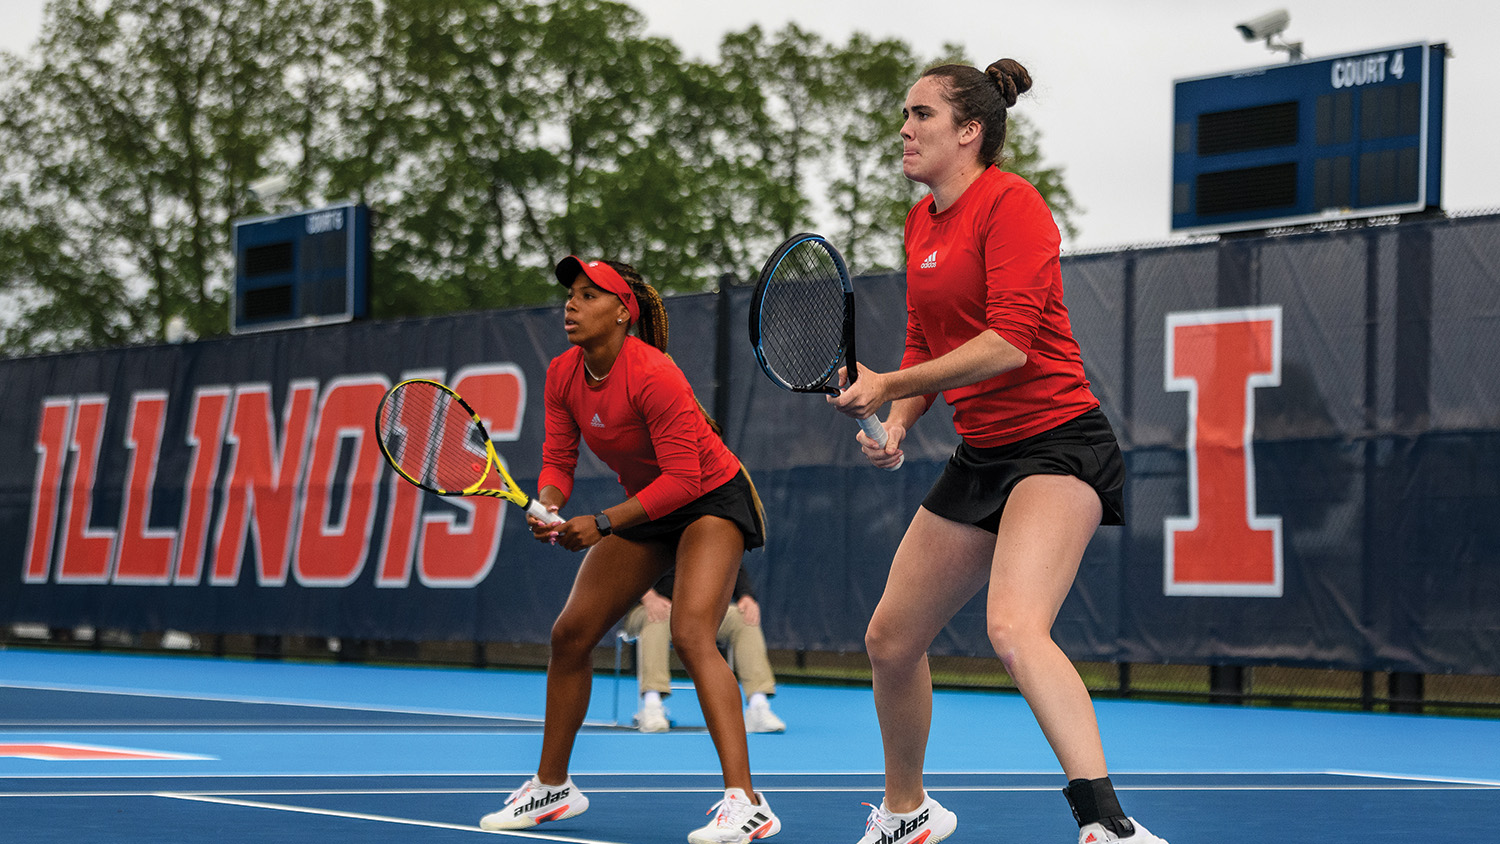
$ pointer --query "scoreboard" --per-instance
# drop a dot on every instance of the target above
(301, 268)
(1357, 135)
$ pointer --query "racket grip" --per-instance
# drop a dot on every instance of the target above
(542, 514)
(876, 431)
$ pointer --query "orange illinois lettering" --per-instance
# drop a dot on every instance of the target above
(1223, 547)
(52, 432)
(403, 514)
(332, 545)
(85, 551)
(145, 555)
(262, 488)
(455, 555)
(205, 435)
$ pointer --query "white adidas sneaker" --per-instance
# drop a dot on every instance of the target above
(928, 824)
(1100, 834)
(535, 803)
(737, 821)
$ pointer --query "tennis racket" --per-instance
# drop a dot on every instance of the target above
(432, 438)
(802, 321)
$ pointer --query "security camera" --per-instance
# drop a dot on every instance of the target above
(269, 187)
(1265, 26)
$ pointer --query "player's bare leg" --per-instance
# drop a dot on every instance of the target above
(1047, 524)
(614, 575)
(939, 566)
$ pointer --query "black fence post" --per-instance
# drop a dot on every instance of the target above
(1406, 692)
(1226, 684)
(267, 647)
(723, 351)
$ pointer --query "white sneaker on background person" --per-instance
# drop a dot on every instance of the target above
(652, 718)
(760, 719)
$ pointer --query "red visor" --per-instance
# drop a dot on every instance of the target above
(603, 276)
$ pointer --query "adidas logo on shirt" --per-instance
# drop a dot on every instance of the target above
(597, 422)
(930, 263)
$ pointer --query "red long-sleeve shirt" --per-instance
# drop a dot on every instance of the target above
(990, 262)
(642, 421)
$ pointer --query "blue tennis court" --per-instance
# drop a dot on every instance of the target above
(124, 748)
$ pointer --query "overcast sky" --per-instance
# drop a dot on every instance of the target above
(1104, 70)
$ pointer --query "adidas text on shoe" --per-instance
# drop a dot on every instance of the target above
(534, 803)
(929, 824)
(737, 821)
(1099, 834)
(652, 718)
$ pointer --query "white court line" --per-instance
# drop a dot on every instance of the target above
(252, 804)
(715, 774)
(993, 789)
(302, 728)
(1414, 783)
(1418, 778)
(654, 774)
(311, 704)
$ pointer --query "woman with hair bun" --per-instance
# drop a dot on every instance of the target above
(1038, 468)
(691, 506)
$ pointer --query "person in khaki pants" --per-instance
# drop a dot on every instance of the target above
(650, 622)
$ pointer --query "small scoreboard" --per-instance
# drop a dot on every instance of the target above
(301, 268)
(1358, 135)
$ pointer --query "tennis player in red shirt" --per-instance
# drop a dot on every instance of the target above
(1038, 468)
(690, 505)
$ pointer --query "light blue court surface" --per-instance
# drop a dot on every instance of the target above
(190, 750)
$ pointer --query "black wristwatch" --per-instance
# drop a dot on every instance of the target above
(601, 522)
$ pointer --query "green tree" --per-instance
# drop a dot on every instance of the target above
(628, 184)
(490, 137)
(531, 131)
(453, 117)
(788, 121)
(129, 141)
(868, 194)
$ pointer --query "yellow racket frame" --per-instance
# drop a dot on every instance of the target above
(511, 491)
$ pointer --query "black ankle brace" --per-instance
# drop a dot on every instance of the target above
(1094, 801)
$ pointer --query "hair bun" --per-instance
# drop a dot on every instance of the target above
(1011, 78)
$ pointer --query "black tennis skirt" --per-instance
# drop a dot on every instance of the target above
(735, 500)
(977, 481)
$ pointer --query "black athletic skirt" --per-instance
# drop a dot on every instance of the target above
(735, 500)
(977, 481)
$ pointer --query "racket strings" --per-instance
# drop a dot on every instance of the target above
(802, 317)
(432, 438)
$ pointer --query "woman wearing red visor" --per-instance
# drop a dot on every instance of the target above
(690, 505)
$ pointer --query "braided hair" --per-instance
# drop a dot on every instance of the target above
(652, 326)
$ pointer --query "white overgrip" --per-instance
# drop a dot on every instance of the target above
(876, 431)
(537, 510)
